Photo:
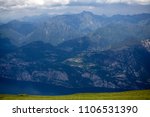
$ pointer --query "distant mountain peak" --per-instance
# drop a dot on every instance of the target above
(86, 13)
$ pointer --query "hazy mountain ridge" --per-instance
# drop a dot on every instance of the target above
(58, 29)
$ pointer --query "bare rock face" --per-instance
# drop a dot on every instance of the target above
(97, 81)
(50, 75)
(40, 75)
(126, 68)
(146, 44)
(25, 76)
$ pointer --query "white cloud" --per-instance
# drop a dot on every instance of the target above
(125, 1)
(113, 1)
(48, 2)
(32, 3)
(35, 2)
(29, 3)
(61, 2)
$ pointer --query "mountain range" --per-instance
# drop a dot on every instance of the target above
(75, 53)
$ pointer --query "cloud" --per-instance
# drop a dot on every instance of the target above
(126, 1)
(35, 2)
(47, 2)
(24, 4)
(113, 1)
(31, 3)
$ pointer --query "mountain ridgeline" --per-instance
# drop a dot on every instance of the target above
(75, 53)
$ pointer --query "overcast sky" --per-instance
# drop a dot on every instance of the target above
(11, 9)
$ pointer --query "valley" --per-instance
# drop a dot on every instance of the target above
(128, 95)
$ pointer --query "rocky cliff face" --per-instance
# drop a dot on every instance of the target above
(125, 68)
(146, 44)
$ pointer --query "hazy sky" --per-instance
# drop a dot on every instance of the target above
(11, 9)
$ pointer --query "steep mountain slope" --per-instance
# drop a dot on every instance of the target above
(21, 27)
(58, 29)
(111, 34)
(76, 46)
(6, 46)
(65, 27)
(16, 31)
(117, 69)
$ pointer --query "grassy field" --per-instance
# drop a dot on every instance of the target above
(128, 95)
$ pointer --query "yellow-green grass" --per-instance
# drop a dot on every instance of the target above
(127, 95)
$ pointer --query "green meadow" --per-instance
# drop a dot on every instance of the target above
(127, 95)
